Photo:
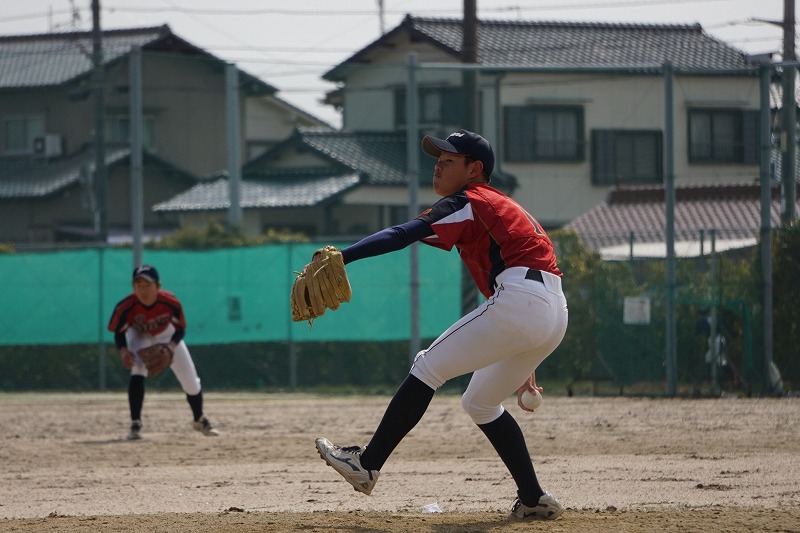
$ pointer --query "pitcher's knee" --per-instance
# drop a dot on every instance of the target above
(422, 371)
(481, 414)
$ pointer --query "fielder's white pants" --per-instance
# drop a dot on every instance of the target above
(182, 365)
(502, 342)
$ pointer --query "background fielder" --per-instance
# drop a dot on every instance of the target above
(523, 320)
(148, 316)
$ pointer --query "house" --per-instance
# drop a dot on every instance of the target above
(575, 111)
(321, 183)
(47, 123)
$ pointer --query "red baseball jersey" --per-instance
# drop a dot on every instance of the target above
(491, 232)
(131, 313)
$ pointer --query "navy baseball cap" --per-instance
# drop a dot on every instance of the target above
(462, 142)
(147, 272)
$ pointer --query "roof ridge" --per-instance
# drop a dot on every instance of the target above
(321, 132)
(163, 28)
(566, 23)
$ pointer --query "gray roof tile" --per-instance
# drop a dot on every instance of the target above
(356, 158)
(570, 44)
(39, 179)
(380, 157)
(302, 192)
(55, 58)
(51, 59)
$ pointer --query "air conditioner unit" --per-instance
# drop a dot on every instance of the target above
(47, 145)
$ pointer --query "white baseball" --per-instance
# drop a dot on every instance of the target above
(530, 400)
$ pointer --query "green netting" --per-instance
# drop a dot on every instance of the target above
(229, 295)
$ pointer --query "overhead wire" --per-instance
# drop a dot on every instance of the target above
(289, 56)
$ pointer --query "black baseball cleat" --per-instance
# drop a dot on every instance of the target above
(347, 461)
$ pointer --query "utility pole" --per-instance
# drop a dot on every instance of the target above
(469, 54)
(380, 17)
(98, 82)
(789, 144)
(469, 80)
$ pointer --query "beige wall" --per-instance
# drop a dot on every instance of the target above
(69, 118)
(369, 92)
(557, 193)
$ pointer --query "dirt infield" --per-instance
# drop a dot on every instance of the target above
(618, 464)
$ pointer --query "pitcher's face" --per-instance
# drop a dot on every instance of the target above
(452, 172)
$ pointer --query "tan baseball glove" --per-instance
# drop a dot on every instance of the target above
(323, 284)
(156, 358)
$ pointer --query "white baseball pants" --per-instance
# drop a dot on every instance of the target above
(502, 342)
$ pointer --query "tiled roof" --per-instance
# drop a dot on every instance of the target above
(303, 192)
(39, 179)
(49, 59)
(380, 157)
(55, 58)
(733, 211)
(35, 179)
(570, 44)
(356, 158)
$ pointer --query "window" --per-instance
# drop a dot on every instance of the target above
(19, 133)
(626, 157)
(544, 133)
(118, 129)
(723, 136)
(441, 107)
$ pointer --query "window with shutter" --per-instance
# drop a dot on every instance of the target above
(621, 157)
(440, 108)
(723, 135)
(543, 134)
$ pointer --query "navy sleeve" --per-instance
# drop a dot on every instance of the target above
(388, 240)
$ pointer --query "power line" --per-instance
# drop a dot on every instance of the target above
(172, 8)
(500, 9)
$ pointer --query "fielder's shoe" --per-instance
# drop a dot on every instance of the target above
(347, 461)
(136, 430)
(205, 427)
(548, 508)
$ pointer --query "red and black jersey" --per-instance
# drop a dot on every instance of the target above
(491, 232)
(153, 319)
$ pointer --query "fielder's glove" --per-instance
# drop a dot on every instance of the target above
(156, 358)
(322, 284)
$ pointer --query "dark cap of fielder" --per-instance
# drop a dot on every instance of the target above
(147, 272)
(462, 142)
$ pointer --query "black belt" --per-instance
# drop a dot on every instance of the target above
(535, 275)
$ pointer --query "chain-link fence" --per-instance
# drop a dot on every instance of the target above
(240, 335)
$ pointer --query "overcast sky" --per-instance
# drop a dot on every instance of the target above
(291, 44)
